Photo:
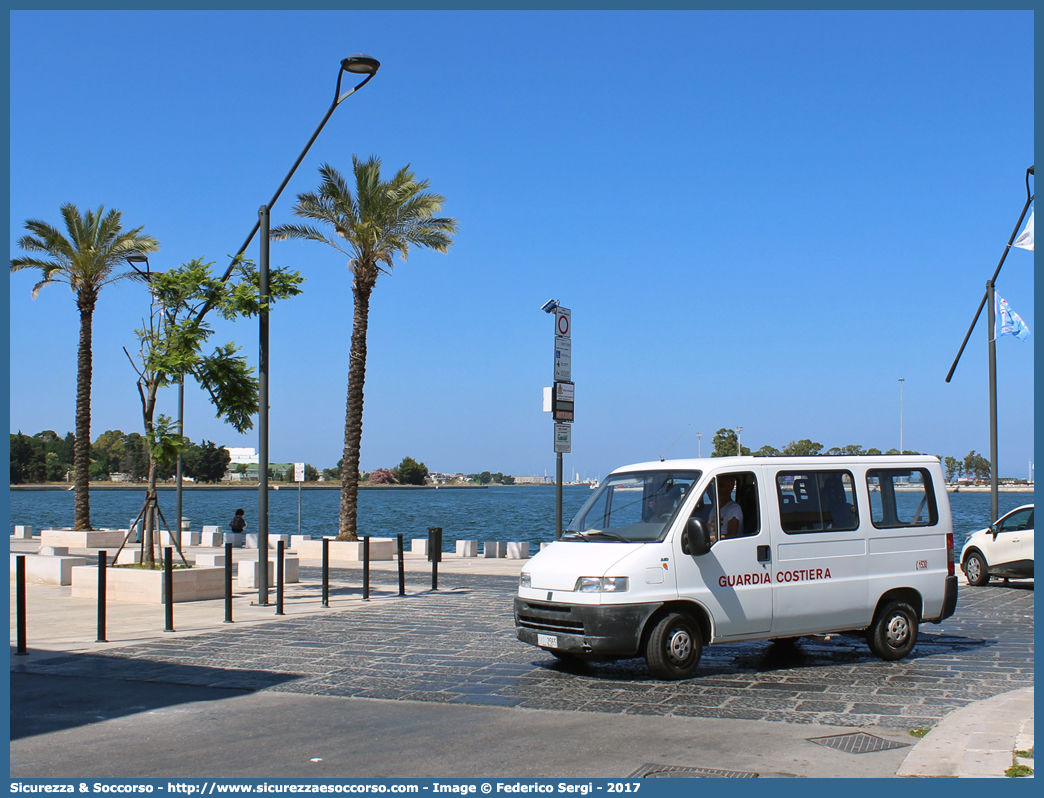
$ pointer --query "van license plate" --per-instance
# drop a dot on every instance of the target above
(547, 641)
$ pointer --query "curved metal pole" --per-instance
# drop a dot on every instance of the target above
(982, 304)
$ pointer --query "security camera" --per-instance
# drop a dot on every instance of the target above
(550, 306)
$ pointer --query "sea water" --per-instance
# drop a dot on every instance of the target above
(507, 513)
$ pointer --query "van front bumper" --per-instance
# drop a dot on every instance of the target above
(607, 631)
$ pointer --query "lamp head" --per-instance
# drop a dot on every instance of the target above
(550, 306)
(143, 275)
(361, 64)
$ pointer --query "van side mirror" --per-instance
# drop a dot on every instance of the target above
(696, 537)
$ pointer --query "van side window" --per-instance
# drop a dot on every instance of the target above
(816, 501)
(901, 497)
(729, 506)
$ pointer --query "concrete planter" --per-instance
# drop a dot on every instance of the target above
(147, 587)
(350, 550)
(93, 539)
(48, 569)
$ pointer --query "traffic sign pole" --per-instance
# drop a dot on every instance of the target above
(562, 401)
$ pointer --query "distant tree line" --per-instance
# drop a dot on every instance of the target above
(726, 444)
(46, 457)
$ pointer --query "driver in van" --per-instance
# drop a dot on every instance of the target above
(731, 523)
(661, 505)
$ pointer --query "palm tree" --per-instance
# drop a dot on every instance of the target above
(383, 219)
(88, 260)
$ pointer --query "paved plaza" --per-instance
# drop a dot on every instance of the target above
(457, 646)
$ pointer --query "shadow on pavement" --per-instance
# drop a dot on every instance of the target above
(48, 702)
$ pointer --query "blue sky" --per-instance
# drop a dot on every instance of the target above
(758, 219)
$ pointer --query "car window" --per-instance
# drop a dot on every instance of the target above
(1018, 520)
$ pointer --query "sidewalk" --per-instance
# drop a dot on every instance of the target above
(977, 741)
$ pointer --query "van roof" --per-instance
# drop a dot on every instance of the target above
(821, 460)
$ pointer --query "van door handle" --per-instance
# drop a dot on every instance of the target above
(764, 554)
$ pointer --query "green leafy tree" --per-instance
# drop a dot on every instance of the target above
(767, 451)
(171, 345)
(954, 468)
(311, 473)
(853, 450)
(93, 255)
(802, 448)
(333, 474)
(205, 462)
(977, 466)
(28, 461)
(873, 451)
(383, 218)
(411, 472)
(726, 443)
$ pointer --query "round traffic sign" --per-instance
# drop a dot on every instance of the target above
(563, 324)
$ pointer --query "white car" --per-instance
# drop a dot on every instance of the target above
(1004, 549)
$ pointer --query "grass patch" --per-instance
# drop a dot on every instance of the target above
(1025, 754)
(142, 567)
(1018, 771)
(919, 733)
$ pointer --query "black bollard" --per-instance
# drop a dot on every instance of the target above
(435, 553)
(366, 568)
(402, 570)
(228, 583)
(326, 572)
(168, 587)
(102, 562)
(279, 577)
(20, 602)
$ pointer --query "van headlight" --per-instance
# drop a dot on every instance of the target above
(601, 584)
(525, 580)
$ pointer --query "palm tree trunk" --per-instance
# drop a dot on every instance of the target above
(354, 415)
(82, 445)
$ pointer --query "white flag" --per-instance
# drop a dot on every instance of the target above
(1009, 321)
(1026, 239)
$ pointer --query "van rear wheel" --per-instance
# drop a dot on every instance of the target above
(894, 631)
(674, 647)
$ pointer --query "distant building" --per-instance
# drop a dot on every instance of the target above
(531, 480)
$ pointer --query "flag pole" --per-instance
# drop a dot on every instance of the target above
(991, 336)
(1015, 232)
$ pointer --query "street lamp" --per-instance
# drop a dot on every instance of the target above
(358, 64)
(699, 444)
(901, 381)
(739, 440)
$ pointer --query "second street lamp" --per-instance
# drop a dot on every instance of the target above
(358, 64)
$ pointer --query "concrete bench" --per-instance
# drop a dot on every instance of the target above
(296, 540)
(47, 570)
(250, 540)
(518, 550)
(247, 572)
(187, 538)
(53, 551)
(22, 532)
(235, 538)
(419, 546)
(467, 548)
(210, 560)
(350, 550)
(212, 536)
(129, 557)
(494, 548)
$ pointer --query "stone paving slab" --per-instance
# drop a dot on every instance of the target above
(458, 645)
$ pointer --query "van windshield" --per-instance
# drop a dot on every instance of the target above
(635, 507)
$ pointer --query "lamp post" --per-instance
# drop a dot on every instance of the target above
(989, 297)
(739, 441)
(901, 381)
(147, 276)
(358, 64)
(699, 444)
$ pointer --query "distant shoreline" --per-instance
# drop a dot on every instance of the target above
(252, 486)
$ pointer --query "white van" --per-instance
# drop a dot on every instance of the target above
(666, 557)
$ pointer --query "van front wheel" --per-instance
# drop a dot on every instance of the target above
(894, 632)
(674, 648)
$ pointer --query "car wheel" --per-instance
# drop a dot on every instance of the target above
(976, 570)
(893, 633)
(674, 648)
